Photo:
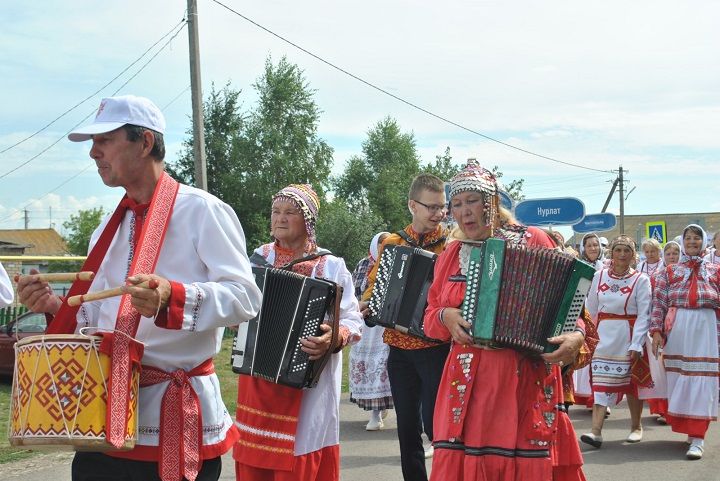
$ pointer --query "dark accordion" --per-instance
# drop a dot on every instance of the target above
(518, 296)
(399, 296)
(293, 307)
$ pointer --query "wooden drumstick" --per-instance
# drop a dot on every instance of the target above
(61, 276)
(115, 291)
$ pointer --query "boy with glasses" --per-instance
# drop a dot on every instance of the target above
(415, 365)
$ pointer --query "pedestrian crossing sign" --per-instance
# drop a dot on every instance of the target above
(656, 230)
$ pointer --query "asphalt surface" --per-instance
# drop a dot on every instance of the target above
(375, 455)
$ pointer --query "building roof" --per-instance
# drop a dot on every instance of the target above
(38, 242)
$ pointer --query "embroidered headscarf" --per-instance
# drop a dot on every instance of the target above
(622, 240)
(306, 200)
(474, 177)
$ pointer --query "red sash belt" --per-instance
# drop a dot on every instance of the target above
(640, 368)
(180, 421)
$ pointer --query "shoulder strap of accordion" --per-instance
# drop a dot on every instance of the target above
(319, 253)
(404, 235)
(259, 260)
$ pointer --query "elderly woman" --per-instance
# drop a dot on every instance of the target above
(671, 253)
(288, 433)
(368, 379)
(651, 249)
(509, 425)
(619, 302)
(591, 251)
(713, 252)
(685, 302)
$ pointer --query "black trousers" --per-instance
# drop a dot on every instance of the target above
(91, 466)
(414, 379)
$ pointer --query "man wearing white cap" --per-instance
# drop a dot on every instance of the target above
(180, 254)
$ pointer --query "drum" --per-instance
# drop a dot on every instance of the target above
(59, 393)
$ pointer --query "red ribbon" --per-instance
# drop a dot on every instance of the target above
(694, 265)
(180, 421)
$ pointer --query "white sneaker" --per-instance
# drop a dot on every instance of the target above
(635, 436)
(429, 451)
(592, 439)
(374, 425)
(695, 451)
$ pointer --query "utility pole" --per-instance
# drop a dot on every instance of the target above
(27, 218)
(621, 186)
(197, 106)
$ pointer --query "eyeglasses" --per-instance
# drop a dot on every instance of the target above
(433, 209)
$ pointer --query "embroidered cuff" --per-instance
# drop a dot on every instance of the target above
(172, 316)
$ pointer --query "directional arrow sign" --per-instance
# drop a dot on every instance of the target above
(596, 223)
(555, 211)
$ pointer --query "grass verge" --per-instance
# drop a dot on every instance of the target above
(8, 453)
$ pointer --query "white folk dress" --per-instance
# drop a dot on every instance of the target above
(612, 301)
(691, 350)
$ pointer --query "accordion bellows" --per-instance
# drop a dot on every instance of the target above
(399, 296)
(518, 296)
(293, 307)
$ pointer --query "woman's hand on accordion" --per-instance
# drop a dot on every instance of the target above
(316, 347)
(566, 354)
(452, 319)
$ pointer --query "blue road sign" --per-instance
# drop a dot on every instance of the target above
(554, 211)
(595, 223)
(656, 230)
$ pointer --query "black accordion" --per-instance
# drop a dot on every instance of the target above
(519, 296)
(399, 296)
(293, 307)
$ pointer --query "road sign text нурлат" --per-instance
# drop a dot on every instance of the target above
(546, 212)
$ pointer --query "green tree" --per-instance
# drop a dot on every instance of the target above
(223, 126)
(255, 154)
(514, 188)
(383, 175)
(79, 229)
(443, 166)
(345, 233)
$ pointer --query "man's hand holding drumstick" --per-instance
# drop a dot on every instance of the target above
(149, 293)
(36, 294)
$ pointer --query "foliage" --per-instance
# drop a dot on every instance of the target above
(252, 155)
(383, 175)
(443, 166)
(347, 231)
(514, 188)
(80, 228)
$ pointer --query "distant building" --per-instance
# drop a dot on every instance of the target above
(674, 224)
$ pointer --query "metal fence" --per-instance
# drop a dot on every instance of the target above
(7, 314)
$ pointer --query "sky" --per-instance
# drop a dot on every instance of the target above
(599, 85)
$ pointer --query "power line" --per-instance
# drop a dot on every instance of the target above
(92, 94)
(17, 210)
(18, 167)
(400, 99)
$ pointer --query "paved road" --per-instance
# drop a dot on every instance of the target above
(374, 455)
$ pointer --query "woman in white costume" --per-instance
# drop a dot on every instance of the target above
(619, 302)
(369, 382)
(652, 250)
(685, 302)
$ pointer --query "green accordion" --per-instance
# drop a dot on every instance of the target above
(518, 296)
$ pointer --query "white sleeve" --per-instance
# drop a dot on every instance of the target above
(6, 290)
(591, 301)
(228, 295)
(350, 316)
(643, 299)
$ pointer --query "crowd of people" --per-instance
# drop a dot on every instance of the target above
(648, 332)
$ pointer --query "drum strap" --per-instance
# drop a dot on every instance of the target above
(180, 421)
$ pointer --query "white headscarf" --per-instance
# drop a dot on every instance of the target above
(375, 245)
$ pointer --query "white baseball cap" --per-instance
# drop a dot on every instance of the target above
(114, 112)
